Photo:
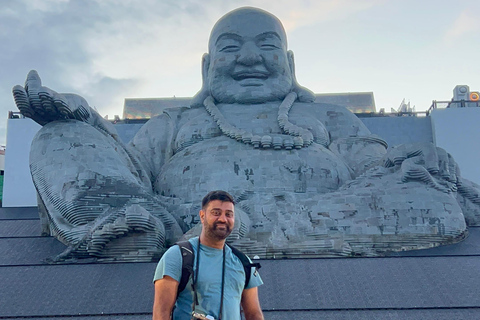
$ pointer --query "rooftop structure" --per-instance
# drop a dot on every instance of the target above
(146, 108)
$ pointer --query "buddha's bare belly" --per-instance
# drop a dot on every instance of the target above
(223, 163)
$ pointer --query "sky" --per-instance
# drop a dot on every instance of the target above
(106, 50)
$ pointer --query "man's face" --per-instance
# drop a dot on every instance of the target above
(218, 219)
(248, 59)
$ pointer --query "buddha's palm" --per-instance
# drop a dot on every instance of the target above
(44, 105)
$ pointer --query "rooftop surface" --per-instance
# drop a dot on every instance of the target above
(440, 283)
(146, 108)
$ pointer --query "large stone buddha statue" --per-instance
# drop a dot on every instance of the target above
(309, 178)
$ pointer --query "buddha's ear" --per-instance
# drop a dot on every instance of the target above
(291, 63)
(303, 94)
(205, 67)
(197, 100)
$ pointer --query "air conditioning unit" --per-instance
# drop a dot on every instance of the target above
(461, 92)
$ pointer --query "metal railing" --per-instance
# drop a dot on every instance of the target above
(15, 115)
(453, 104)
(392, 114)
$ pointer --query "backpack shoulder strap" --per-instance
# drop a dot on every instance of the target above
(247, 264)
(186, 250)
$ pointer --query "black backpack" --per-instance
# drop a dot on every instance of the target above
(187, 264)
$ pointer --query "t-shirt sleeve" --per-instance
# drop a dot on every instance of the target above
(255, 279)
(170, 265)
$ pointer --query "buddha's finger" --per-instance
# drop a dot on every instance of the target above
(33, 81)
(62, 106)
(22, 102)
(46, 98)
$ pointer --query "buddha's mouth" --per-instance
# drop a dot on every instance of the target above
(250, 75)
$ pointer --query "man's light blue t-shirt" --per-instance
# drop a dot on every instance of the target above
(209, 281)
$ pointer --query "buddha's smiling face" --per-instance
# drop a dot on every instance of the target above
(248, 60)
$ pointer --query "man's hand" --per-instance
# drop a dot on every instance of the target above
(165, 296)
(251, 304)
(44, 105)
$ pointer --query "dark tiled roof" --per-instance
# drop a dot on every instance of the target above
(19, 228)
(99, 317)
(371, 283)
(28, 251)
(418, 314)
(440, 283)
(52, 290)
(18, 213)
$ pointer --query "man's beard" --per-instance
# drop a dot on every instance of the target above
(219, 234)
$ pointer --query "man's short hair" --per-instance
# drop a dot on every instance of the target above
(217, 195)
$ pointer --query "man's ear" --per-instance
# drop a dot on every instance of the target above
(201, 213)
(197, 100)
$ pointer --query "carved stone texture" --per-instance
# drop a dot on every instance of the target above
(309, 178)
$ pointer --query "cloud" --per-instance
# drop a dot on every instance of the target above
(102, 50)
(307, 12)
(106, 50)
(466, 23)
(106, 92)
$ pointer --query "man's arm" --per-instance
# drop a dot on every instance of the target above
(164, 300)
(251, 304)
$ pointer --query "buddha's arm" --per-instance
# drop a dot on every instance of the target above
(351, 140)
(362, 150)
(153, 143)
(360, 153)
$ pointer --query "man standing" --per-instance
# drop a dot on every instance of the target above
(216, 268)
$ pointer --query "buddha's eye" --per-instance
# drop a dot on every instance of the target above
(228, 43)
(268, 46)
(269, 42)
(230, 48)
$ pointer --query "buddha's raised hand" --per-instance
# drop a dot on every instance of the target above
(44, 105)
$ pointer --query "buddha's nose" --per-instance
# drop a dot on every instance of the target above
(249, 54)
